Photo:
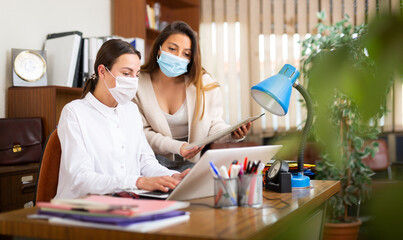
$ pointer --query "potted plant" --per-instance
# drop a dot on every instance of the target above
(340, 78)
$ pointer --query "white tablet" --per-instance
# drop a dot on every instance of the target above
(221, 133)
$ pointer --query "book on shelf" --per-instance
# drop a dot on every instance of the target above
(150, 16)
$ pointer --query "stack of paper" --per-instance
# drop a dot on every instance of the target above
(114, 213)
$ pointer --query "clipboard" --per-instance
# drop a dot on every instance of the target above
(221, 133)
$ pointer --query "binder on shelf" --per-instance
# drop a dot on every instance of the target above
(85, 67)
(63, 58)
(137, 43)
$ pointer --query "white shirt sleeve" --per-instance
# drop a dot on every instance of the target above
(150, 167)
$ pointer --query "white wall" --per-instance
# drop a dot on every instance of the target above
(25, 23)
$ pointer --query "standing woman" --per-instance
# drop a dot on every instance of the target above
(178, 99)
(104, 148)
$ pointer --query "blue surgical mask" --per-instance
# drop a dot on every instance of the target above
(172, 65)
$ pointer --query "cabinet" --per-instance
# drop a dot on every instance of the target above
(17, 186)
(129, 18)
(45, 102)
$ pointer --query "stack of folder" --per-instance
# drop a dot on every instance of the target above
(114, 213)
(309, 169)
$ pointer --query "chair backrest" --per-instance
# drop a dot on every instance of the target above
(381, 160)
(48, 178)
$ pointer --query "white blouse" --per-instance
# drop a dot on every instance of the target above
(103, 149)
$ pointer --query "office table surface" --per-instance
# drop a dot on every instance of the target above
(277, 212)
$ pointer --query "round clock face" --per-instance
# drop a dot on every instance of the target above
(274, 169)
(29, 66)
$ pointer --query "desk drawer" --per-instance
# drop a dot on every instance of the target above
(16, 190)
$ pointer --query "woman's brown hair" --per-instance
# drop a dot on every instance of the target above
(107, 55)
(195, 70)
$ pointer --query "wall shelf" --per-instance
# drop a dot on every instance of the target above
(129, 18)
(46, 102)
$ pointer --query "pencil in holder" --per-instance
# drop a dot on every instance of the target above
(225, 192)
(250, 190)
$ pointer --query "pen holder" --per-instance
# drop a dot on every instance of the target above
(225, 192)
(250, 190)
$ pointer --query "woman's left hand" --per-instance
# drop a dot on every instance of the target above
(241, 131)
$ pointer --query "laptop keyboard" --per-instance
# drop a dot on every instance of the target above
(159, 193)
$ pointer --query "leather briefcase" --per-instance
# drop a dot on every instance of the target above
(20, 140)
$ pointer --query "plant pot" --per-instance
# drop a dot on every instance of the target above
(342, 231)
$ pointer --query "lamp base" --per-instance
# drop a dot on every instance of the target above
(300, 181)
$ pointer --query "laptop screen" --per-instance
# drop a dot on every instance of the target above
(199, 183)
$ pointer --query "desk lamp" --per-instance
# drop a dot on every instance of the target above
(273, 94)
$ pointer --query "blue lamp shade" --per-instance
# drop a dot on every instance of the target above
(273, 94)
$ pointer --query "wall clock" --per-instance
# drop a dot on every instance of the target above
(29, 67)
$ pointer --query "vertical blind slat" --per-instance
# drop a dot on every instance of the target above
(267, 21)
(302, 12)
(279, 63)
(206, 41)
(313, 19)
(278, 17)
(244, 63)
(266, 17)
(219, 73)
(325, 6)
(349, 10)
(395, 6)
(290, 16)
(388, 125)
(232, 72)
(267, 73)
(254, 19)
(398, 118)
(337, 13)
(279, 30)
(292, 117)
(384, 6)
(360, 12)
(371, 9)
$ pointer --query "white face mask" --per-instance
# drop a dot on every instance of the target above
(125, 90)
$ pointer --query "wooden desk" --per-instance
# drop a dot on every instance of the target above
(303, 214)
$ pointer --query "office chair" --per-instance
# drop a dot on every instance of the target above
(48, 176)
(380, 161)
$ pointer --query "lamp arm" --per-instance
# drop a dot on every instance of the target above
(308, 124)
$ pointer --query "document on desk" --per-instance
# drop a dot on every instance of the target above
(221, 133)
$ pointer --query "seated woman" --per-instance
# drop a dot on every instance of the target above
(104, 148)
(178, 99)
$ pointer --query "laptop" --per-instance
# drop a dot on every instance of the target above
(199, 183)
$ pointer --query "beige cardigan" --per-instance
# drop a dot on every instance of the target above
(156, 127)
